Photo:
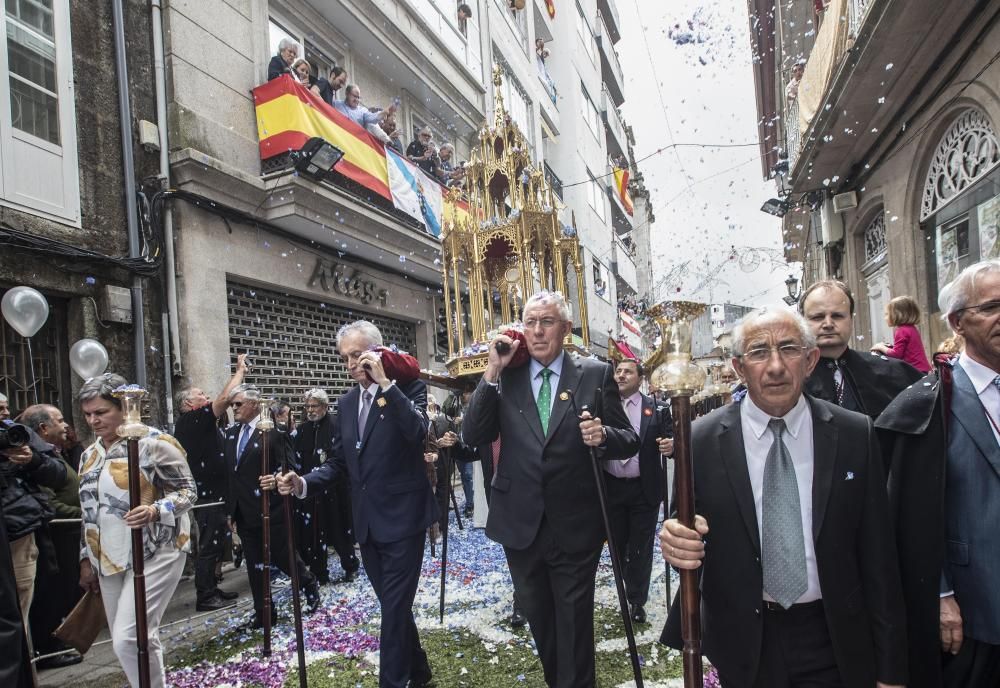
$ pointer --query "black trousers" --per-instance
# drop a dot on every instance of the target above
(339, 524)
(57, 582)
(633, 526)
(310, 534)
(252, 537)
(394, 571)
(213, 531)
(555, 589)
(977, 665)
(796, 650)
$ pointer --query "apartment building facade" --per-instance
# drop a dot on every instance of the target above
(886, 150)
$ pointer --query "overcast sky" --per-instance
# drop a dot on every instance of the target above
(706, 200)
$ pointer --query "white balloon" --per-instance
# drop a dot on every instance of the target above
(25, 309)
(88, 358)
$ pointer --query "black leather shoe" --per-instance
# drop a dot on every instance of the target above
(517, 617)
(422, 679)
(349, 576)
(257, 622)
(312, 596)
(59, 661)
(237, 556)
(213, 604)
(225, 594)
(638, 614)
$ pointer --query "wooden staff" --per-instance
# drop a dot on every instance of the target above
(664, 462)
(293, 569)
(446, 461)
(264, 425)
(616, 569)
(690, 595)
(132, 430)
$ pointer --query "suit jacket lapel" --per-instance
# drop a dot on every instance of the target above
(734, 457)
(824, 458)
(646, 415)
(567, 383)
(519, 386)
(347, 409)
(968, 410)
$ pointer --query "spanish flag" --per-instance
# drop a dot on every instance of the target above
(288, 115)
(621, 186)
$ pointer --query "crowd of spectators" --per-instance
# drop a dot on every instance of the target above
(633, 306)
(438, 161)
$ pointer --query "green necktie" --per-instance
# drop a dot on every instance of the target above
(545, 400)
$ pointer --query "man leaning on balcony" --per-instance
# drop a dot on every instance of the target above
(362, 116)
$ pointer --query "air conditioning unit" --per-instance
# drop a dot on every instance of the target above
(845, 201)
(831, 222)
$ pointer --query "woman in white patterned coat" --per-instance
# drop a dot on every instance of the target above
(167, 493)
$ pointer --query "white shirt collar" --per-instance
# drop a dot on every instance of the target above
(980, 376)
(555, 366)
(371, 389)
(251, 424)
(757, 420)
(635, 397)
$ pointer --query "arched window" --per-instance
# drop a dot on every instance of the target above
(875, 240)
(966, 153)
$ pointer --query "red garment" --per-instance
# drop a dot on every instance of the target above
(906, 345)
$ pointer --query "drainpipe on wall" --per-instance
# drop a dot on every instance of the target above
(131, 206)
(160, 80)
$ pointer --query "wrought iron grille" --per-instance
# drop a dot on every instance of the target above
(291, 340)
(875, 239)
(966, 153)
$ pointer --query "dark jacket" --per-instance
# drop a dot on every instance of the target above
(547, 474)
(198, 432)
(314, 443)
(391, 498)
(243, 495)
(26, 507)
(876, 379)
(276, 68)
(855, 561)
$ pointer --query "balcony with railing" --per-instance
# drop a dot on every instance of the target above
(554, 181)
(611, 68)
(609, 9)
(621, 218)
(793, 137)
(625, 270)
(614, 127)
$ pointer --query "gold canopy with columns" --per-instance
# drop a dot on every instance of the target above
(510, 245)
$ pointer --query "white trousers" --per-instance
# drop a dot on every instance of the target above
(162, 573)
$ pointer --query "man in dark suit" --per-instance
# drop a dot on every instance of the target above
(324, 518)
(856, 380)
(379, 442)
(197, 430)
(543, 500)
(635, 485)
(948, 433)
(243, 454)
(799, 580)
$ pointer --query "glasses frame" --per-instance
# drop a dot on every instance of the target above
(978, 308)
(786, 352)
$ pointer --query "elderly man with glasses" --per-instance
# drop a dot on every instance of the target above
(281, 63)
(793, 539)
(324, 518)
(944, 480)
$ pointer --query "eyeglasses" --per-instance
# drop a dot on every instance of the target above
(787, 352)
(236, 404)
(546, 323)
(985, 309)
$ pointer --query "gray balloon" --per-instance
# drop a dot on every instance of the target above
(25, 309)
(88, 358)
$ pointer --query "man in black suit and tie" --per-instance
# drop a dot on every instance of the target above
(243, 451)
(635, 485)
(379, 441)
(799, 580)
(859, 381)
(543, 503)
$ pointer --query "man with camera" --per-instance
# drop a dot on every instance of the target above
(26, 464)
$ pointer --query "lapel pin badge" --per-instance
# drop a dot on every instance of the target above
(564, 396)
(849, 476)
(647, 412)
(380, 401)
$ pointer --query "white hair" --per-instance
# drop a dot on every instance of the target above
(249, 392)
(806, 335)
(288, 43)
(957, 294)
(548, 298)
(3, 397)
(318, 394)
(365, 327)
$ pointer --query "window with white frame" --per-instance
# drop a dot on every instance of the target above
(321, 57)
(39, 171)
(586, 35)
(517, 102)
(589, 112)
(595, 195)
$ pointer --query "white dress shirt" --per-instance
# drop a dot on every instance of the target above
(981, 378)
(535, 370)
(798, 438)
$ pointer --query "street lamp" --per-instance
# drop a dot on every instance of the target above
(776, 207)
(792, 285)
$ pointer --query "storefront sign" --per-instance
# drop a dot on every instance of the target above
(347, 281)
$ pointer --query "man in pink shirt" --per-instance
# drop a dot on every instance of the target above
(635, 485)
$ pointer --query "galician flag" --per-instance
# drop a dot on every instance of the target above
(414, 192)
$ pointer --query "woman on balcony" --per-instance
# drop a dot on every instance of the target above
(281, 63)
(302, 70)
